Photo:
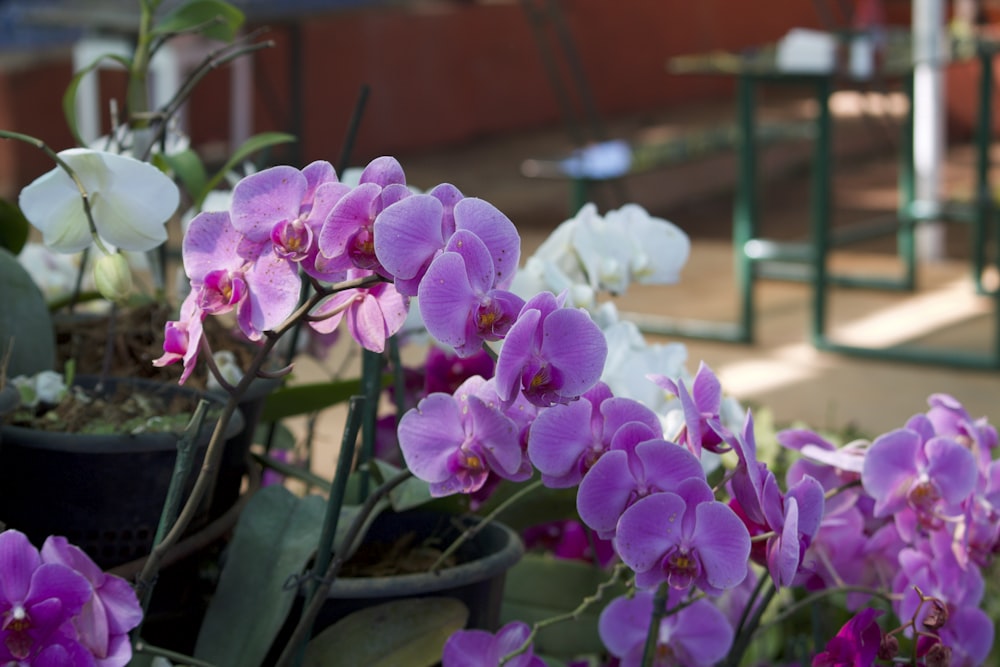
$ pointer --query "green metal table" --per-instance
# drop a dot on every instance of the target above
(757, 257)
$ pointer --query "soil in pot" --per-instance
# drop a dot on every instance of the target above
(103, 492)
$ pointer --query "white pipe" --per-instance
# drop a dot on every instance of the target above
(928, 120)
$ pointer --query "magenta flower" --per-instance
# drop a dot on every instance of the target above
(699, 635)
(231, 271)
(453, 442)
(478, 648)
(551, 354)
(566, 440)
(929, 476)
(373, 313)
(38, 602)
(701, 410)
(182, 338)
(627, 473)
(458, 300)
(111, 612)
(855, 645)
(685, 538)
(412, 233)
(792, 517)
(570, 540)
(446, 371)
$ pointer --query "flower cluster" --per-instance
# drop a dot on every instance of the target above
(873, 517)
(58, 609)
(922, 524)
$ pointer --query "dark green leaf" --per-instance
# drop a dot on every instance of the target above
(412, 493)
(248, 148)
(214, 19)
(189, 170)
(25, 323)
(306, 398)
(13, 227)
(69, 97)
(400, 633)
(274, 540)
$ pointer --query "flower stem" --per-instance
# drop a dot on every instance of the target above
(616, 575)
(41, 145)
(473, 529)
(653, 632)
(301, 632)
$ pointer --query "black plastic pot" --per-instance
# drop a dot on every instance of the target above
(103, 493)
(477, 580)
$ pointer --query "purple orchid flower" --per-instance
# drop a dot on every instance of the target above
(856, 644)
(373, 313)
(570, 540)
(410, 234)
(453, 442)
(458, 301)
(698, 635)
(445, 371)
(38, 602)
(230, 271)
(927, 475)
(551, 354)
(478, 648)
(950, 418)
(701, 408)
(793, 517)
(628, 472)
(182, 338)
(111, 612)
(566, 440)
(684, 537)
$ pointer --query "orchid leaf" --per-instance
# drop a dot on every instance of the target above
(249, 147)
(69, 97)
(13, 227)
(403, 633)
(25, 322)
(188, 168)
(541, 586)
(306, 398)
(273, 541)
(412, 493)
(214, 19)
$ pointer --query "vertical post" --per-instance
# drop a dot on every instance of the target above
(928, 121)
(820, 213)
(983, 201)
(905, 237)
(745, 209)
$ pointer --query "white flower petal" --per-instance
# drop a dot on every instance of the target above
(52, 204)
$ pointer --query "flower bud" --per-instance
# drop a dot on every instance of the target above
(937, 616)
(888, 648)
(113, 276)
(939, 655)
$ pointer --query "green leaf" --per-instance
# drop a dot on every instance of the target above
(306, 398)
(13, 227)
(189, 168)
(412, 493)
(274, 539)
(69, 97)
(249, 147)
(25, 322)
(400, 633)
(214, 19)
(541, 586)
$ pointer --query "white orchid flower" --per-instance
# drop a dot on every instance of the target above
(604, 250)
(659, 248)
(130, 201)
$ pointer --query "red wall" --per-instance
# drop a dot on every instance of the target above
(439, 73)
